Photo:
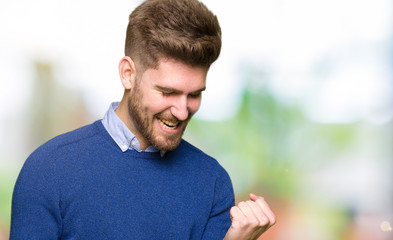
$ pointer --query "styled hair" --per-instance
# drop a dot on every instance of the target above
(184, 30)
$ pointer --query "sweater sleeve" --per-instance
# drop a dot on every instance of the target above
(35, 202)
(219, 220)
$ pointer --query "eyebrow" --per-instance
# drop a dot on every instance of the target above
(176, 91)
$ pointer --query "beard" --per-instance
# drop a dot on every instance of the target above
(144, 123)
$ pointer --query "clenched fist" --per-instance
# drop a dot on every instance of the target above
(250, 219)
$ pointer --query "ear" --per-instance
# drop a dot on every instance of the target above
(127, 72)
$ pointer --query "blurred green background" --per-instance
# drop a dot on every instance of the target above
(298, 108)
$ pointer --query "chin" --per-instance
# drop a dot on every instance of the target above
(166, 145)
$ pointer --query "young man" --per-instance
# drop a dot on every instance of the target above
(131, 175)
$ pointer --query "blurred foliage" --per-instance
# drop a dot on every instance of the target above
(253, 145)
(54, 108)
(7, 181)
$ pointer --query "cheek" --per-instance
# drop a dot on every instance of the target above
(158, 104)
(194, 104)
(152, 102)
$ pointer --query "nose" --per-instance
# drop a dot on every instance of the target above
(180, 108)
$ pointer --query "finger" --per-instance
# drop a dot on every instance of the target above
(246, 210)
(259, 214)
(237, 217)
(250, 219)
(265, 207)
(254, 197)
(236, 214)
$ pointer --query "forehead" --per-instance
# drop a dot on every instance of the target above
(177, 75)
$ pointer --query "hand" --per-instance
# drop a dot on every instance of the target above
(250, 219)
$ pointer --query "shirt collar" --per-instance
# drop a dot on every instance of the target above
(120, 133)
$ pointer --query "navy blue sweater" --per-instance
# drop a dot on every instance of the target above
(80, 185)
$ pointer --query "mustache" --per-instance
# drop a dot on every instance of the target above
(170, 118)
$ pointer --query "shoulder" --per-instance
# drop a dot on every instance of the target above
(204, 166)
(44, 164)
(200, 159)
(62, 145)
(73, 137)
(69, 139)
(190, 150)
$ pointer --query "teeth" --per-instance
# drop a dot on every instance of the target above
(168, 124)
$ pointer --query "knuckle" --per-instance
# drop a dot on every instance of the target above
(254, 223)
(264, 221)
(273, 221)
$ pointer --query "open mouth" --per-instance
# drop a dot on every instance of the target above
(168, 124)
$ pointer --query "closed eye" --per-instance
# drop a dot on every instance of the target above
(167, 94)
(195, 95)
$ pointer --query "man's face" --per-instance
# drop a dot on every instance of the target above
(162, 102)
